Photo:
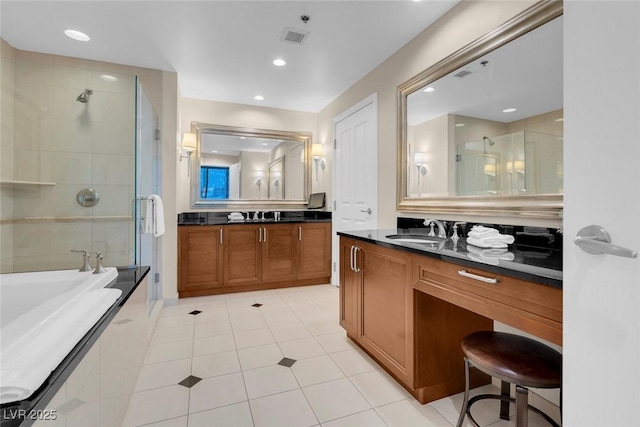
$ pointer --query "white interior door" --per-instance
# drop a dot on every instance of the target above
(355, 172)
(602, 153)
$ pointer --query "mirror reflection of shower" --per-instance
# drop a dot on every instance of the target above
(84, 96)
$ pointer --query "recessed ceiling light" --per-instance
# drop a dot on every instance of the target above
(214, 151)
(242, 137)
(509, 110)
(459, 125)
(259, 98)
(264, 143)
(429, 89)
(77, 35)
(561, 119)
(279, 62)
(108, 78)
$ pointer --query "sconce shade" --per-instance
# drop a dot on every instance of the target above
(519, 165)
(316, 150)
(509, 166)
(490, 169)
(189, 141)
(418, 158)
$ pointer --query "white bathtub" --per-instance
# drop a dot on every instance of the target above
(43, 315)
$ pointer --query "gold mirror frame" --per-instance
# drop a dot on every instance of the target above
(303, 137)
(544, 206)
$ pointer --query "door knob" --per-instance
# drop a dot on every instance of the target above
(595, 240)
(367, 211)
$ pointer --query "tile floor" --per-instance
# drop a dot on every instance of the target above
(225, 360)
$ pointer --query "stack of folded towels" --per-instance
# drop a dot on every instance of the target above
(485, 237)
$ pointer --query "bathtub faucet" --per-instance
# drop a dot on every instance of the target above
(99, 268)
(86, 265)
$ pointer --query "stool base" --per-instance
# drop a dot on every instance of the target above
(521, 401)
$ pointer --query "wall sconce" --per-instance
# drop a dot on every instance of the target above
(259, 182)
(317, 153)
(518, 165)
(189, 145)
(490, 169)
(418, 159)
(509, 167)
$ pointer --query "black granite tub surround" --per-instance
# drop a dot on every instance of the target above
(221, 218)
(542, 265)
(26, 412)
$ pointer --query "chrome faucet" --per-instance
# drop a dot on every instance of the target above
(86, 265)
(99, 268)
(442, 232)
(455, 236)
(255, 216)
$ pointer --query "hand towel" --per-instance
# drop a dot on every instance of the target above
(157, 215)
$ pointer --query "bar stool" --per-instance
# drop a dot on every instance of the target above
(513, 359)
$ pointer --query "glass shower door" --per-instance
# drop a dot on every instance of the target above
(148, 166)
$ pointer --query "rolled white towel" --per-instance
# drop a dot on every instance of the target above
(487, 243)
(480, 232)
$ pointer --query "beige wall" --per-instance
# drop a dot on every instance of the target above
(47, 136)
(461, 25)
(227, 114)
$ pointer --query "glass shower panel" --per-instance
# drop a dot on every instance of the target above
(517, 163)
(148, 163)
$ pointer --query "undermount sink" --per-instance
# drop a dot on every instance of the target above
(415, 238)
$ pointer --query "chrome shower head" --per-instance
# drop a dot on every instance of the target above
(491, 142)
(84, 96)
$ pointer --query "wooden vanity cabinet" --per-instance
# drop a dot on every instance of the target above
(350, 280)
(242, 255)
(314, 249)
(200, 255)
(375, 307)
(247, 257)
(278, 243)
(414, 336)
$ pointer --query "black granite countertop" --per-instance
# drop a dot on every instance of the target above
(534, 264)
(18, 413)
(220, 218)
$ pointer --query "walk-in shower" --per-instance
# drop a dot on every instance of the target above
(84, 96)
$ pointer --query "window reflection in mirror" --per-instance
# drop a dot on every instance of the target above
(491, 127)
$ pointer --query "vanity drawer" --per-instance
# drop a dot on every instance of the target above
(528, 306)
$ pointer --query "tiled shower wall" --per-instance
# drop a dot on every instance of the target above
(49, 137)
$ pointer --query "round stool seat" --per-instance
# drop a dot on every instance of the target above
(514, 359)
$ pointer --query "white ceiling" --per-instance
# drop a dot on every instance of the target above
(525, 74)
(222, 50)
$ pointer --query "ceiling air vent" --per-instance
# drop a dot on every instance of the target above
(291, 35)
(462, 73)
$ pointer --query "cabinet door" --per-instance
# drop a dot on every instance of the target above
(349, 288)
(385, 323)
(279, 252)
(199, 258)
(314, 248)
(242, 255)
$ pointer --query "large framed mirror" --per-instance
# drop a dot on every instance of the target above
(236, 167)
(480, 132)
